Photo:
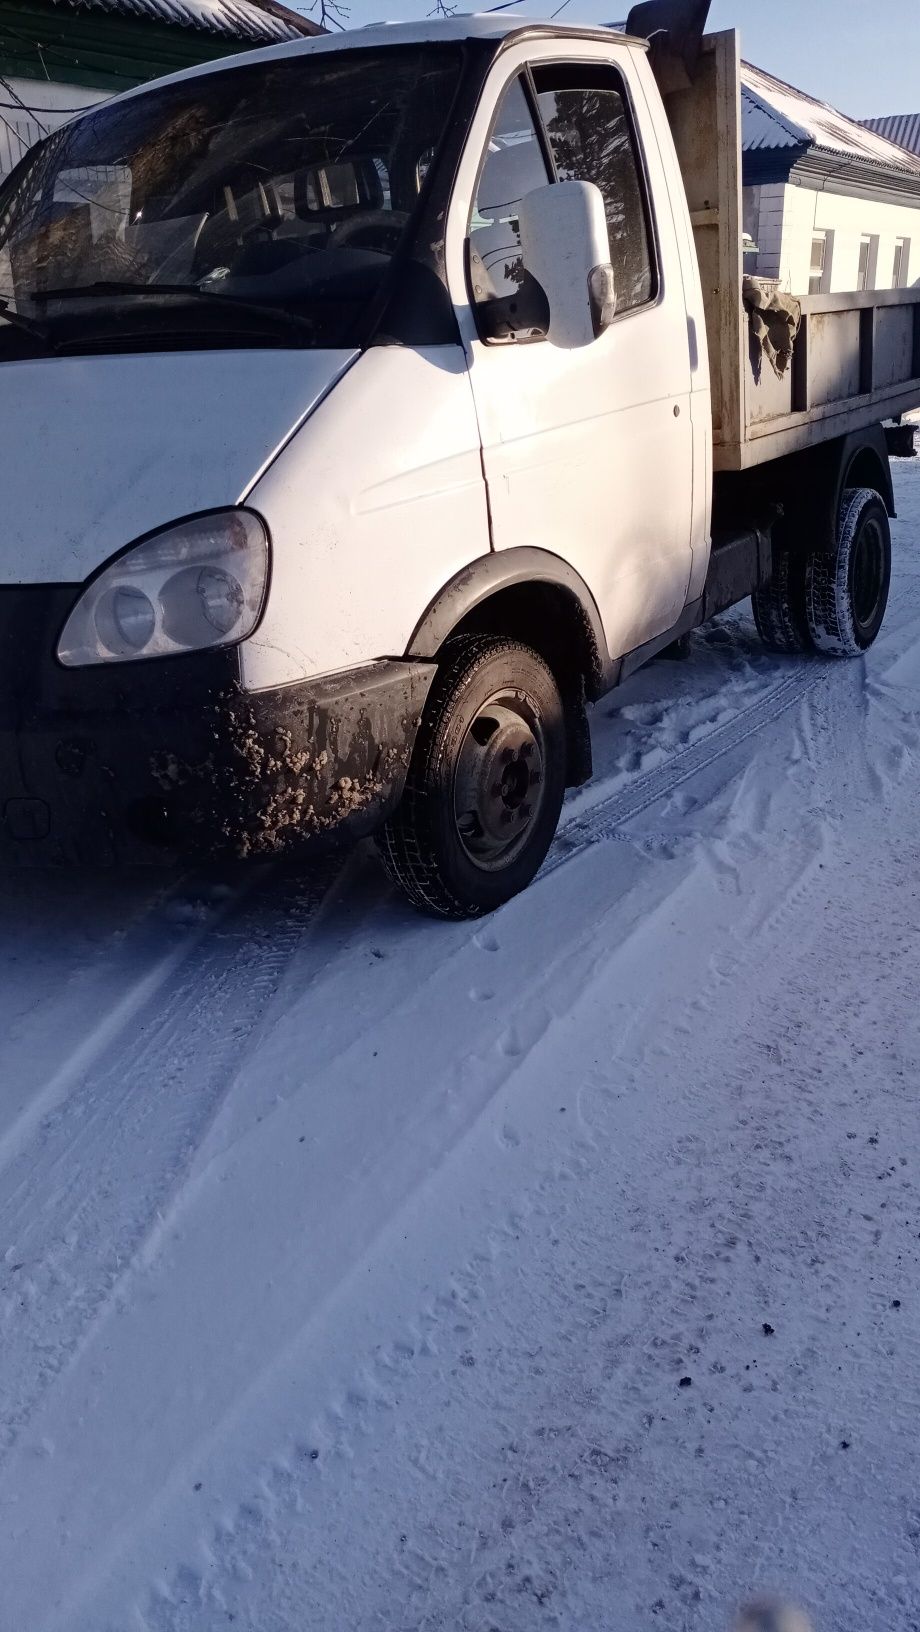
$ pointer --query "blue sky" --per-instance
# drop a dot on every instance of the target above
(864, 58)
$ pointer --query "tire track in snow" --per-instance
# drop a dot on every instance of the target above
(94, 1172)
(609, 814)
(122, 1097)
(156, 968)
(313, 1463)
(55, 1051)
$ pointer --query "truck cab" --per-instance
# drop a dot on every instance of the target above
(359, 434)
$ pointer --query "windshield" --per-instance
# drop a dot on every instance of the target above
(280, 191)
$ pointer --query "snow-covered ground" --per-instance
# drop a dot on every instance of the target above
(362, 1273)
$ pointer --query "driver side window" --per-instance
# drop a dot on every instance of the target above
(514, 166)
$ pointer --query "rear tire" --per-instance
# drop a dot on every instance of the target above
(486, 782)
(779, 606)
(847, 587)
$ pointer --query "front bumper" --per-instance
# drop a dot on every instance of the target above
(172, 760)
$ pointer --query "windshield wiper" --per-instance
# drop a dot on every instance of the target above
(27, 324)
(114, 286)
(106, 286)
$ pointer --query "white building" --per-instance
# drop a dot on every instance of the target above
(831, 204)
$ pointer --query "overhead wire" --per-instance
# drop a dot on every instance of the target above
(18, 102)
(34, 112)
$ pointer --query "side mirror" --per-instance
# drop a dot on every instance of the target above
(566, 248)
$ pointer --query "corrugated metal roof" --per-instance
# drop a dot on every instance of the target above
(764, 128)
(244, 20)
(903, 128)
(776, 115)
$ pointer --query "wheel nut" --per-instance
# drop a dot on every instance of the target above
(495, 792)
(506, 817)
(535, 777)
(523, 812)
(507, 756)
(527, 749)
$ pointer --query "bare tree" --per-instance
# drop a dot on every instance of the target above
(330, 14)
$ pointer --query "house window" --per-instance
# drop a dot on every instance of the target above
(818, 263)
(868, 257)
(901, 263)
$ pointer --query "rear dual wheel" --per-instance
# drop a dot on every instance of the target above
(486, 782)
(847, 589)
(831, 601)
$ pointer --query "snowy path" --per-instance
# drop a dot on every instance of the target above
(350, 1265)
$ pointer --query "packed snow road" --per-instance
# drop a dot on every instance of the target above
(359, 1272)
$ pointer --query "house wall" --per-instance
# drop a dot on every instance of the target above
(51, 103)
(59, 57)
(786, 218)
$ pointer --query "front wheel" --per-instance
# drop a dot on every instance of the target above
(846, 589)
(486, 782)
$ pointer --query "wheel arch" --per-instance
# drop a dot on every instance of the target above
(864, 463)
(536, 597)
(495, 588)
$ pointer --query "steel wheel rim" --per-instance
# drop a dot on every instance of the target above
(868, 574)
(500, 780)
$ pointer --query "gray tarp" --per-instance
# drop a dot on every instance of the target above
(775, 321)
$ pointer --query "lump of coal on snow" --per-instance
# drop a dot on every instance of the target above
(685, 1382)
(768, 1330)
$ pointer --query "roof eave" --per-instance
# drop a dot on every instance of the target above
(765, 166)
(860, 177)
(824, 170)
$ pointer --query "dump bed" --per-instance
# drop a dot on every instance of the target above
(856, 357)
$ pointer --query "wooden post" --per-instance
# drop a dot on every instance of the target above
(706, 123)
(733, 337)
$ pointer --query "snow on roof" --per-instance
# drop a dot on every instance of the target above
(903, 128)
(259, 22)
(776, 116)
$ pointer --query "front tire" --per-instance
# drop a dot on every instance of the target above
(847, 588)
(486, 782)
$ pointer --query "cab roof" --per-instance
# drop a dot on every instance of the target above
(473, 26)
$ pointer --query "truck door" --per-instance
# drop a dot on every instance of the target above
(587, 453)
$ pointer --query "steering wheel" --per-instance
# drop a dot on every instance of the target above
(373, 229)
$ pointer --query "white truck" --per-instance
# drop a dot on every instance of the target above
(372, 405)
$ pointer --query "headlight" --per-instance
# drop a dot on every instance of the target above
(200, 583)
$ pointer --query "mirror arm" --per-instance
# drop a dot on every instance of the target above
(524, 314)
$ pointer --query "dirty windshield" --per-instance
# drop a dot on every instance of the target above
(266, 200)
